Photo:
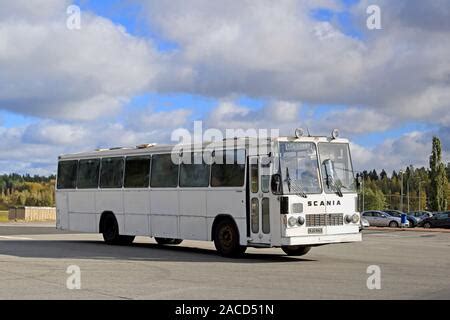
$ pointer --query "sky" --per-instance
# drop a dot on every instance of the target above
(135, 71)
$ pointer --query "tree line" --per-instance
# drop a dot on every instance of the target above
(422, 188)
(26, 190)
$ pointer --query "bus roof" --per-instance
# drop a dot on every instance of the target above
(166, 148)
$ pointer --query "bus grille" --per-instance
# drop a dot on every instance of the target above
(318, 220)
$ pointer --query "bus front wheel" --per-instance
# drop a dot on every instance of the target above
(226, 239)
(163, 241)
(296, 250)
(110, 231)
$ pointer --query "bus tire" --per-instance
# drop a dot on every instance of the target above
(110, 231)
(226, 239)
(164, 241)
(296, 251)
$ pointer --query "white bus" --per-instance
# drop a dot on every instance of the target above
(299, 192)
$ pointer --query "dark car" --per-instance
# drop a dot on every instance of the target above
(420, 215)
(411, 219)
(439, 220)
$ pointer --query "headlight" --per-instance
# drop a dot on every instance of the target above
(301, 221)
(355, 218)
(348, 219)
(292, 222)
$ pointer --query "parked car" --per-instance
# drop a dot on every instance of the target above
(439, 220)
(382, 219)
(420, 215)
(396, 213)
(364, 224)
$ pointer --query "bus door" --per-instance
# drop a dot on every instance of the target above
(259, 199)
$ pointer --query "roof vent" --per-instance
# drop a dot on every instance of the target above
(145, 146)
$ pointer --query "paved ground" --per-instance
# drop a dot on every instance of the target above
(34, 260)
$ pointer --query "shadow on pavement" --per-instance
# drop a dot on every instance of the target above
(70, 249)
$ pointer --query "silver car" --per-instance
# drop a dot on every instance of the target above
(364, 224)
(382, 219)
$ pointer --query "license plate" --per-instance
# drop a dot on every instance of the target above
(315, 230)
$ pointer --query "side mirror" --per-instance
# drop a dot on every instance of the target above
(275, 183)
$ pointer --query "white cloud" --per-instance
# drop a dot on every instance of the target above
(51, 71)
(151, 120)
(354, 121)
(280, 115)
(413, 148)
(276, 50)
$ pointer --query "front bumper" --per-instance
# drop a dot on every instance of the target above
(321, 239)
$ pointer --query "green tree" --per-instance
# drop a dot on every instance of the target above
(448, 171)
(374, 199)
(438, 178)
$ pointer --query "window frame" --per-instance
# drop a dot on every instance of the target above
(152, 171)
(101, 172)
(149, 157)
(98, 173)
(76, 175)
(180, 165)
(245, 168)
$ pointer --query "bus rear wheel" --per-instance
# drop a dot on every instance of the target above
(163, 241)
(111, 234)
(295, 251)
(226, 239)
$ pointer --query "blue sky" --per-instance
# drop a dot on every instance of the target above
(130, 16)
(226, 64)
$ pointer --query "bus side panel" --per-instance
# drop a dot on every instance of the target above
(192, 219)
(62, 210)
(164, 213)
(137, 212)
(228, 202)
(109, 201)
(82, 213)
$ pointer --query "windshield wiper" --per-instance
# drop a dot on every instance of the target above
(330, 176)
(288, 179)
(299, 190)
(338, 187)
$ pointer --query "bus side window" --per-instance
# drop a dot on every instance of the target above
(228, 169)
(111, 175)
(137, 172)
(195, 173)
(88, 172)
(164, 172)
(67, 174)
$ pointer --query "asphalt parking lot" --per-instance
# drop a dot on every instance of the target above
(34, 260)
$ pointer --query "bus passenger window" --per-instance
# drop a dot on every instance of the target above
(88, 172)
(228, 169)
(137, 172)
(195, 173)
(67, 174)
(111, 173)
(164, 172)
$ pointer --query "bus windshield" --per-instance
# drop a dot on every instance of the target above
(299, 168)
(336, 166)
